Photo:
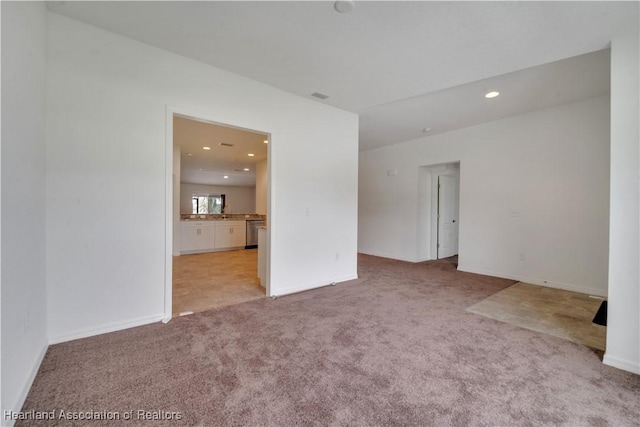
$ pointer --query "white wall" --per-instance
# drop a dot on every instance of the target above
(24, 331)
(535, 185)
(623, 322)
(261, 187)
(239, 200)
(106, 104)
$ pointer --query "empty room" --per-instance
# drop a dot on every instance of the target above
(450, 213)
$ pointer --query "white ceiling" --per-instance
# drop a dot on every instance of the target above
(200, 166)
(383, 52)
(522, 91)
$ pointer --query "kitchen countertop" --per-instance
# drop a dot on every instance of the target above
(218, 217)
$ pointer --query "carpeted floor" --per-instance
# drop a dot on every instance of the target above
(394, 348)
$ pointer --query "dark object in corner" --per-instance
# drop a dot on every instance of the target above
(601, 316)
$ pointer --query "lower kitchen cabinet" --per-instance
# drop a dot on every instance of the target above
(197, 236)
(207, 236)
(230, 234)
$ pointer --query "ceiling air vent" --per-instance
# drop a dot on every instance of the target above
(319, 95)
(224, 144)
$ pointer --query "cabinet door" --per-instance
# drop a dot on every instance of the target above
(223, 236)
(189, 237)
(239, 236)
(207, 237)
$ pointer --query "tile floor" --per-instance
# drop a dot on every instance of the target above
(215, 279)
(564, 314)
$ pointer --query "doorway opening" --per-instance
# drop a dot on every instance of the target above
(439, 206)
(219, 215)
(447, 215)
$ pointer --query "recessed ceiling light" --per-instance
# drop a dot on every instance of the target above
(189, 154)
(250, 154)
(226, 177)
(425, 130)
(206, 148)
(266, 141)
(492, 94)
(246, 169)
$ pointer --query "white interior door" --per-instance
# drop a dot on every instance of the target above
(447, 216)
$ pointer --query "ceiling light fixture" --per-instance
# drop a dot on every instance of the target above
(189, 154)
(226, 177)
(492, 94)
(206, 148)
(425, 130)
(246, 169)
(344, 6)
(250, 154)
(266, 141)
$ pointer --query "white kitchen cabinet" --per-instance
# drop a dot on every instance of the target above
(239, 235)
(197, 236)
(207, 237)
(230, 234)
(188, 237)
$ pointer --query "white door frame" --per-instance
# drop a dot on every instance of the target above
(169, 219)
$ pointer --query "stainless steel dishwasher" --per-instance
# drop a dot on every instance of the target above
(252, 232)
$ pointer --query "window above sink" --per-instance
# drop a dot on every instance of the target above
(207, 203)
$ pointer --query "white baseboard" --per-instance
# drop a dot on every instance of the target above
(413, 260)
(626, 365)
(112, 327)
(310, 286)
(388, 256)
(534, 281)
(25, 389)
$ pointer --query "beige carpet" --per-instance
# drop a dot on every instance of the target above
(556, 312)
(395, 348)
